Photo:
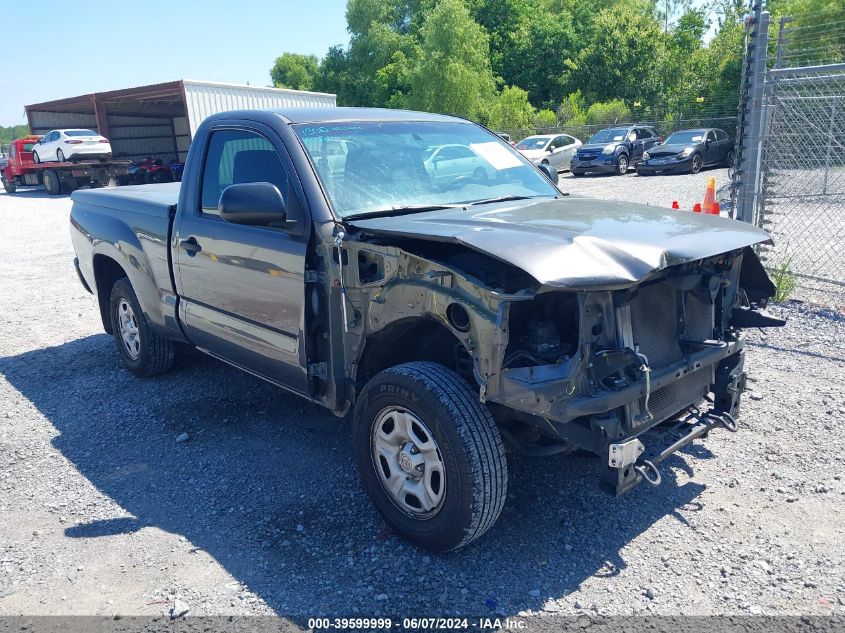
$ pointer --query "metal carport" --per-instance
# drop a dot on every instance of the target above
(159, 120)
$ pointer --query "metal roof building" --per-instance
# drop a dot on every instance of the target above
(160, 120)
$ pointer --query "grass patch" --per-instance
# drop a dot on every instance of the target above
(784, 280)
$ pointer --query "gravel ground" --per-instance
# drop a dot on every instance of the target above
(103, 511)
(659, 191)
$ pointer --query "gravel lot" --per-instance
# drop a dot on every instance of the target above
(103, 512)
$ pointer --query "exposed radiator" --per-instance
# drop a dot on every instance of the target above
(676, 396)
(654, 327)
(654, 322)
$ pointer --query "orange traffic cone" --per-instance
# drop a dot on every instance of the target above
(709, 196)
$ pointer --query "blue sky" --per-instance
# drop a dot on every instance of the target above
(73, 48)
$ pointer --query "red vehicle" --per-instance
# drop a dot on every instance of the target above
(23, 171)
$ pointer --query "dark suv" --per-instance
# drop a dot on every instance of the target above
(614, 149)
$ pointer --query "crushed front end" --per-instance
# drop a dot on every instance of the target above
(601, 370)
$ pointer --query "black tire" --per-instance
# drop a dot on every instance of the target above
(9, 185)
(576, 174)
(60, 156)
(622, 165)
(52, 182)
(696, 164)
(35, 158)
(155, 354)
(473, 456)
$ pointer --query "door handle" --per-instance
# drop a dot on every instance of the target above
(191, 246)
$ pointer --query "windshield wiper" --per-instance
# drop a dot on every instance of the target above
(502, 199)
(401, 210)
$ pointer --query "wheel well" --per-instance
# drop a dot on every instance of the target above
(106, 273)
(412, 339)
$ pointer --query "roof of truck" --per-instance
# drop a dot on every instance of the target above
(338, 115)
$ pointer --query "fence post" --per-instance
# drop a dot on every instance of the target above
(749, 172)
(829, 144)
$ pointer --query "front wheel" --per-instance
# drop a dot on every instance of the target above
(430, 456)
(142, 351)
(9, 185)
(696, 164)
(622, 165)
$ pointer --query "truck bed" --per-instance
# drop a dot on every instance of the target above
(156, 199)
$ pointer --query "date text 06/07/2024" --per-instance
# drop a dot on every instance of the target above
(416, 623)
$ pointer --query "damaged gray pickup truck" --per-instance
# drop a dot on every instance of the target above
(416, 270)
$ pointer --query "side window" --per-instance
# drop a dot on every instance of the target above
(643, 133)
(464, 152)
(12, 150)
(237, 157)
(721, 135)
(711, 136)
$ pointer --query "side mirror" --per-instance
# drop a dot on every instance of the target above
(255, 204)
(549, 172)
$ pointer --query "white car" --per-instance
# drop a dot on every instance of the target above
(553, 149)
(63, 145)
(446, 163)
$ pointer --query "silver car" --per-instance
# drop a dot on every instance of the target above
(553, 149)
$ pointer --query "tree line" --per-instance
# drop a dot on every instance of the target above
(516, 64)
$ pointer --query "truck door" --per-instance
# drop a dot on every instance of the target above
(241, 287)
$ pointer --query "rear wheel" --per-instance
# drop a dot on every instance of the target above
(60, 156)
(142, 351)
(622, 165)
(430, 456)
(52, 182)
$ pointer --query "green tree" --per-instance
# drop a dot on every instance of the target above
(545, 119)
(573, 110)
(511, 110)
(608, 113)
(334, 75)
(292, 70)
(621, 60)
(379, 29)
(451, 69)
(9, 134)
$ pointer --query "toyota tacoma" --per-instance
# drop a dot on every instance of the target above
(453, 310)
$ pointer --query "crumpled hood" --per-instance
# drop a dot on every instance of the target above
(577, 243)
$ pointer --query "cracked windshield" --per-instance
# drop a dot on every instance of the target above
(369, 167)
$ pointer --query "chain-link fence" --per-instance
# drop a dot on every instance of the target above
(790, 178)
(802, 201)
